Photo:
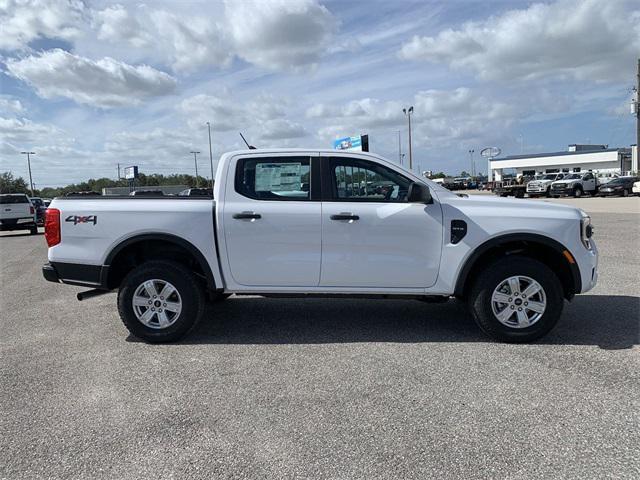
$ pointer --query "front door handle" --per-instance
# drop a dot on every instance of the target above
(345, 216)
(247, 216)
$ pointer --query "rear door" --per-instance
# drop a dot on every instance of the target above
(271, 219)
(371, 236)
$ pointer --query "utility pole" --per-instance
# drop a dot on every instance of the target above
(399, 149)
(28, 154)
(210, 155)
(195, 160)
(119, 172)
(473, 166)
(408, 113)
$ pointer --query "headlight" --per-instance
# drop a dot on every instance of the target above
(586, 230)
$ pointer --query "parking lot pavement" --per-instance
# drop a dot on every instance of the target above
(320, 388)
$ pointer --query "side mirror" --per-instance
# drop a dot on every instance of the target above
(419, 193)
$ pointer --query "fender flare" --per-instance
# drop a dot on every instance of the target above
(515, 237)
(181, 242)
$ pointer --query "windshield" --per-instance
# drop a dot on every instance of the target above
(5, 199)
(551, 176)
(573, 176)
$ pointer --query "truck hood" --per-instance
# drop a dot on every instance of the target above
(507, 207)
(566, 182)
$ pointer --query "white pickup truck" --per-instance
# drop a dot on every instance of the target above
(303, 223)
(17, 213)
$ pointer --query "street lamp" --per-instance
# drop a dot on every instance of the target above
(408, 113)
(473, 165)
(195, 160)
(28, 154)
(210, 155)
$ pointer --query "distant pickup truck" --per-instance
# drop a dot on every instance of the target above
(575, 185)
(17, 213)
(290, 223)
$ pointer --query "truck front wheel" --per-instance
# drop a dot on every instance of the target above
(160, 301)
(516, 299)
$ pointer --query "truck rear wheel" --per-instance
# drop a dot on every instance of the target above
(516, 299)
(160, 301)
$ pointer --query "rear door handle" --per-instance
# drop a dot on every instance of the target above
(247, 216)
(345, 216)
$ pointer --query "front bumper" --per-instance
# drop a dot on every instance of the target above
(610, 193)
(562, 191)
(587, 261)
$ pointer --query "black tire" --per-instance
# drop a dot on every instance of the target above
(577, 192)
(625, 193)
(33, 231)
(479, 299)
(188, 287)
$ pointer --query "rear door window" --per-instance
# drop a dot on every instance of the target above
(283, 178)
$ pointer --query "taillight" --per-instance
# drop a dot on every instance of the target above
(52, 226)
(32, 210)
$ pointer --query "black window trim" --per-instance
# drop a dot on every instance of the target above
(314, 184)
(330, 189)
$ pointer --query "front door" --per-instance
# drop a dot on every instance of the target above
(371, 236)
(272, 221)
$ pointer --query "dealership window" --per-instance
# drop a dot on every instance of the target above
(577, 169)
(528, 173)
(279, 178)
(360, 180)
(552, 170)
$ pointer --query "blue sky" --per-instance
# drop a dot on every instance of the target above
(88, 85)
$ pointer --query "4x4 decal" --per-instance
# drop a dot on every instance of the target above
(75, 219)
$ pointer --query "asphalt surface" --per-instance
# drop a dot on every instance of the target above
(269, 388)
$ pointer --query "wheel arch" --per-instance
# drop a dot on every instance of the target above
(540, 247)
(127, 254)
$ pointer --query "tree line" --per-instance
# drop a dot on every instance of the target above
(11, 184)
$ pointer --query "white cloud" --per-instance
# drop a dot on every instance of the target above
(588, 39)
(22, 21)
(10, 105)
(264, 114)
(116, 24)
(442, 116)
(280, 33)
(281, 129)
(103, 83)
(191, 42)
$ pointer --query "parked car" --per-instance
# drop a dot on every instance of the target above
(636, 188)
(196, 192)
(40, 207)
(17, 213)
(542, 186)
(621, 186)
(574, 184)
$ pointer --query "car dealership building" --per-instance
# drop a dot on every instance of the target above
(578, 158)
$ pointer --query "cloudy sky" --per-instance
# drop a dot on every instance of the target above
(89, 84)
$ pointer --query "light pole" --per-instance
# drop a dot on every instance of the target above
(473, 167)
(408, 113)
(210, 155)
(195, 160)
(28, 154)
(399, 149)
